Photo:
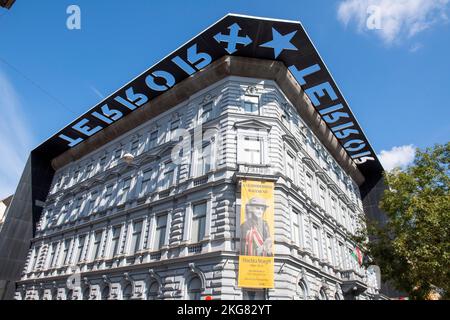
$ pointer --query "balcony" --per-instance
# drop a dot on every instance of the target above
(352, 284)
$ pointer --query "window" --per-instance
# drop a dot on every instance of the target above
(344, 217)
(117, 154)
(63, 213)
(46, 219)
(57, 184)
(344, 253)
(52, 218)
(160, 234)
(152, 292)
(308, 190)
(53, 249)
(251, 104)
(96, 248)
(102, 162)
(285, 117)
(303, 290)
(334, 208)
(153, 140)
(127, 292)
(66, 252)
(329, 248)
(115, 245)
(146, 180)
(125, 190)
(89, 169)
(295, 227)
(322, 295)
(75, 177)
(352, 222)
(204, 160)
(173, 127)
(194, 289)
(105, 292)
(252, 152)
(168, 174)
(35, 258)
(77, 208)
(91, 204)
(322, 195)
(340, 255)
(198, 222)
(81, 241)
(206, 111)
(136, 237)
(316, 241)
(107, 197)
(290, 166)
(134, 147)
(86, 293)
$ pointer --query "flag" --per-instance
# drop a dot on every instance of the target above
(357, 254)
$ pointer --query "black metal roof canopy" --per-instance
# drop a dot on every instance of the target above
(7, 3)
(254, 37)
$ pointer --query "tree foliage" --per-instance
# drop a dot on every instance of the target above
(413, 247)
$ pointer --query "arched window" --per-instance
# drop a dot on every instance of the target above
(127, 292)
(322, 295)
(40, 294)
(86, 293)
(152, 292)
(54, 294)
(105, 293)
(194, 288)
(303, 290)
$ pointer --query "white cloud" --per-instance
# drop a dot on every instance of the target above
(397, 157)
(415, 47)
(15, 137)
(398, 19)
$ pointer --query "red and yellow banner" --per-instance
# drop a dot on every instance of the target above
(256, 260)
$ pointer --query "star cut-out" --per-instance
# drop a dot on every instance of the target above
(280, 42)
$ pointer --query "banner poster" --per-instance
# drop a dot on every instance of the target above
(256, 259)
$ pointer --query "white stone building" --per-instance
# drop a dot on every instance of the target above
(152, 229)
(140, 197)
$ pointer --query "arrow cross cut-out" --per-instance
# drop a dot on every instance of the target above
(233, 38)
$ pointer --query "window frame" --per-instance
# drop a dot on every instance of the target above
(247, 100)
(201, 218)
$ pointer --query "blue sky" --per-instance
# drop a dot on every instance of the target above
(396, 78)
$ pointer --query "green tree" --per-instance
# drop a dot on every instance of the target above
(413, 247)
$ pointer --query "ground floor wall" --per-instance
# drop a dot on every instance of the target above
(201, 276)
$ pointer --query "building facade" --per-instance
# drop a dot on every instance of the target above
(142, 196)
(4, 204)
(155, 228)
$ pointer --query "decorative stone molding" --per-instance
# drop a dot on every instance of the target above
(207, 98)
(251, 90)
(193, 270)
(153, 276)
